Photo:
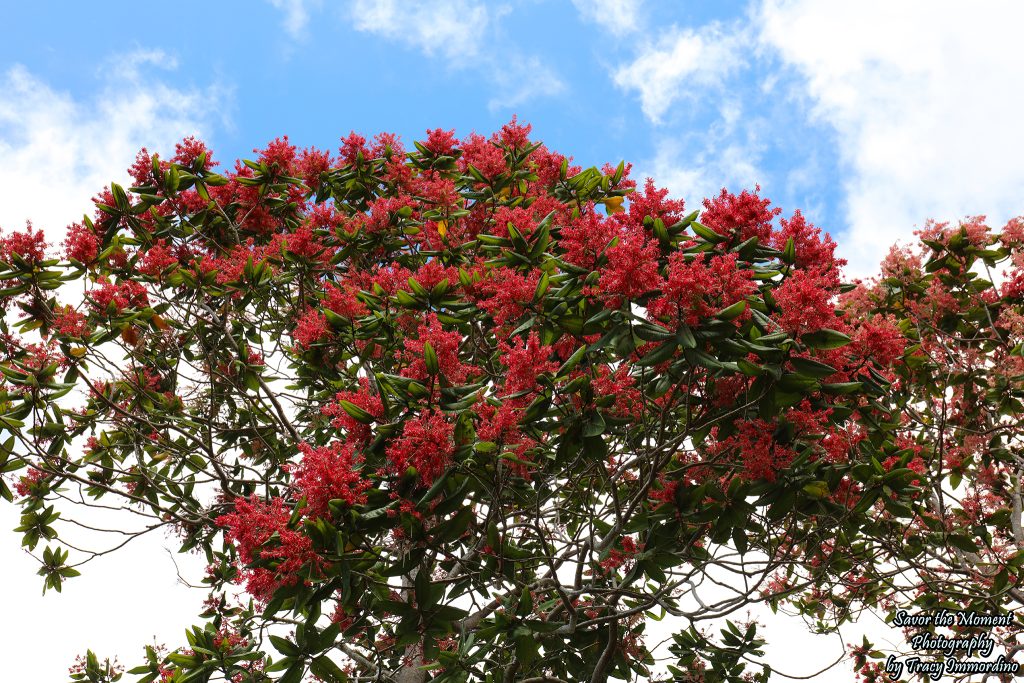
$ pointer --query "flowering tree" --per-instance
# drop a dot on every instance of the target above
(956, 415)
(467, 412)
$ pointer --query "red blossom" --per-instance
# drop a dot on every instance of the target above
(29, 481)
(188, 151)
(483, 156)
(29, 245)
(525, 360)
(141, 170)
(426, 444)
(302, 243)
(432, 273)
(879, 339)
(741, 216)
(812, 249)
(279, 154)
(806, 305)
(620, 387)
(441, 142)
(311, 163)
(341, 299)
(114, 298)
(513, 135)
(585, 237)
(81, 244)
(70, 323)
(653, 203)
(700, 287)
(506, 293)
(310, 328)
(250, 526)
(327, 473)
(446, 347)
(351, 147)
(437, 190)
(358, 432)
(499, 424)
(521, 219)
(156, 259)
(384, 211)
(632, 269)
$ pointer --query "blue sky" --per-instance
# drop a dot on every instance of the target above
(870, 118)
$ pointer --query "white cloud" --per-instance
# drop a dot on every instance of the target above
(140, 579)
(453, 28)
(521, 81)
(925, 100)
(726, 154)
(296, 15)
(679, 61)
(695, 176)
(457, 30)
(59, 151)
(620, 17)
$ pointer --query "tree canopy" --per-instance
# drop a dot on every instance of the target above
(469, 412)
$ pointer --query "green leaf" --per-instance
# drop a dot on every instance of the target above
(659, 355)
(816, 489)
(706, 232)
(324, 667)
(293, 674)
(789, 252)
(685, 337)
(825, 339)
(284, 646)
(430, 358)
(811, 368)
(732, 312)
(841, 387)
(962, 542)
(595, 425)
(356, 413)
(572, 361)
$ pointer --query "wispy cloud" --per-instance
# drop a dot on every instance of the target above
(457, 31)
(523, 81)
(296, 15)
(925, 102)
(681, 60)
(453, 28)
(619, 17)
(696, 166)
(59, 151)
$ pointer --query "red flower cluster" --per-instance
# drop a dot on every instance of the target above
(585, 237)
(446, 347)
(632, 268)
(426, 444)
(27, 482)
(482, 155)
(156, 259)
(310, 328)
(250, 526)
(358, 432)
(327, 473)
(740, 216)
(341, 299)
(525, 360)
(70, 323)
(29, 245)
(81, 244)
(700, 287)
(114, 298)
